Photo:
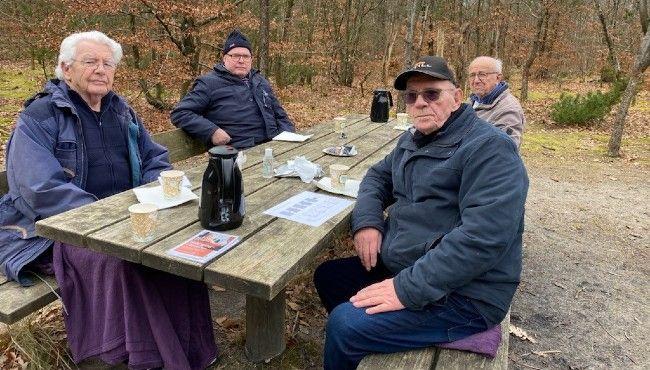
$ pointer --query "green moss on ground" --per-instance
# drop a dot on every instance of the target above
(18, 84)
(583, 144)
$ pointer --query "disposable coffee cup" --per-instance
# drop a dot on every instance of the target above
(144, 218)
(339, 175)
(171, 183)
(402, 118)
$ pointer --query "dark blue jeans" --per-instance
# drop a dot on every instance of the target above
(351, 333)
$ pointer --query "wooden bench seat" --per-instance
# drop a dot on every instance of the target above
(17, 302)
(441, 359)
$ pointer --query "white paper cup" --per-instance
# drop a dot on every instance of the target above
(171, 183)
(144, 218)
(339, 175)
(402, 118)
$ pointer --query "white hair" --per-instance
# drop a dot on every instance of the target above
(498, 64)
(69, 48)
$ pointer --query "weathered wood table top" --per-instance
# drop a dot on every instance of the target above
(271, 251)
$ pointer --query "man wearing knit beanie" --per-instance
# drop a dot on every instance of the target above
(232, 104)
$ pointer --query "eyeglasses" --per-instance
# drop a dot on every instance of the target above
(481, 75)
(429, 95)
(108, 65)
(240, 57)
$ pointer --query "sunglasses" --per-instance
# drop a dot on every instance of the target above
(429, 95)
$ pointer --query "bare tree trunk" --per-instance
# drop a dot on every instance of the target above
(263, 56)
(477, 30)
(440, 43)
(640, 65)
(408, 47)
(279, 64)
(389, 55)
(425, 19)
(644, 16)
(430, 23)
(541, 21)
(611, 53)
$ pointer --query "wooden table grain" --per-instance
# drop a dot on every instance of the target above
(271, 251)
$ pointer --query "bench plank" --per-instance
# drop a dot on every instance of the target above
(179, 145)
(410, 360)
(17, 302)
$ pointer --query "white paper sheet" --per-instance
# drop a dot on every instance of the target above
(351, 186)
(402, 127)
(155, 196)
(309, 208)
(291, 136)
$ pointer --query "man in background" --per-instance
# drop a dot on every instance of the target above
(492, 100)
(232, 104)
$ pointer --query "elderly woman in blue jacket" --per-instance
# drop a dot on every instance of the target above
(74, 143)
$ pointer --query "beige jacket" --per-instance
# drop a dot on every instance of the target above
(505, 113)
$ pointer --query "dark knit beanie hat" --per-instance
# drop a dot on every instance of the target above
(236, 39)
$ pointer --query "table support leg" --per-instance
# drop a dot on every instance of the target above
(264, 327)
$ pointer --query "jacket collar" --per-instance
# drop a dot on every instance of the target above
(450, 135)
(59, 90)
(479, 105)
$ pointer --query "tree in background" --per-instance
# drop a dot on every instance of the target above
(640, 65)
(321, 43)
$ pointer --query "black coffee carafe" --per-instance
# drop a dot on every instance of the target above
(382, 100)
(222, 191)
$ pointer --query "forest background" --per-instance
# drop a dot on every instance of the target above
(585, 264)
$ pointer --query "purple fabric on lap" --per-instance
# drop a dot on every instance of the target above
(485, 343)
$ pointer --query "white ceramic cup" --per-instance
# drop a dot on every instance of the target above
(171, 183)
(144, 218)
(339, 175)
(402, 118)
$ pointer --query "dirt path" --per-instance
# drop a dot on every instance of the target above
(584, 290)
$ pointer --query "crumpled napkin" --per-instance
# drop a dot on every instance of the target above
(301, 167)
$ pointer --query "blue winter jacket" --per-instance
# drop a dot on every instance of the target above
(47, 167)
(220, 99)
(456, 215)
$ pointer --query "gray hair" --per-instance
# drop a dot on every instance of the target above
(69, 48)
(498, 64)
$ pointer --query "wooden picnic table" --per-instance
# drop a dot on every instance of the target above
(271, 251)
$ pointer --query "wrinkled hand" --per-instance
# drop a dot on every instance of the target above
(220, 137)
(367, 243)
(379, 297)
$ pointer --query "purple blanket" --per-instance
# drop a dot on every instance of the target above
(485, 343)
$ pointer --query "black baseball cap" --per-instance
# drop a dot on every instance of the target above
(433, 66)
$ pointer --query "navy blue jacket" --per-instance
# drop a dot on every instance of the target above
(249, 112)
(456, 215)
(47, 168)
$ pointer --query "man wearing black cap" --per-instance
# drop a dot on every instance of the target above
(446, 261)
(233, 104)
